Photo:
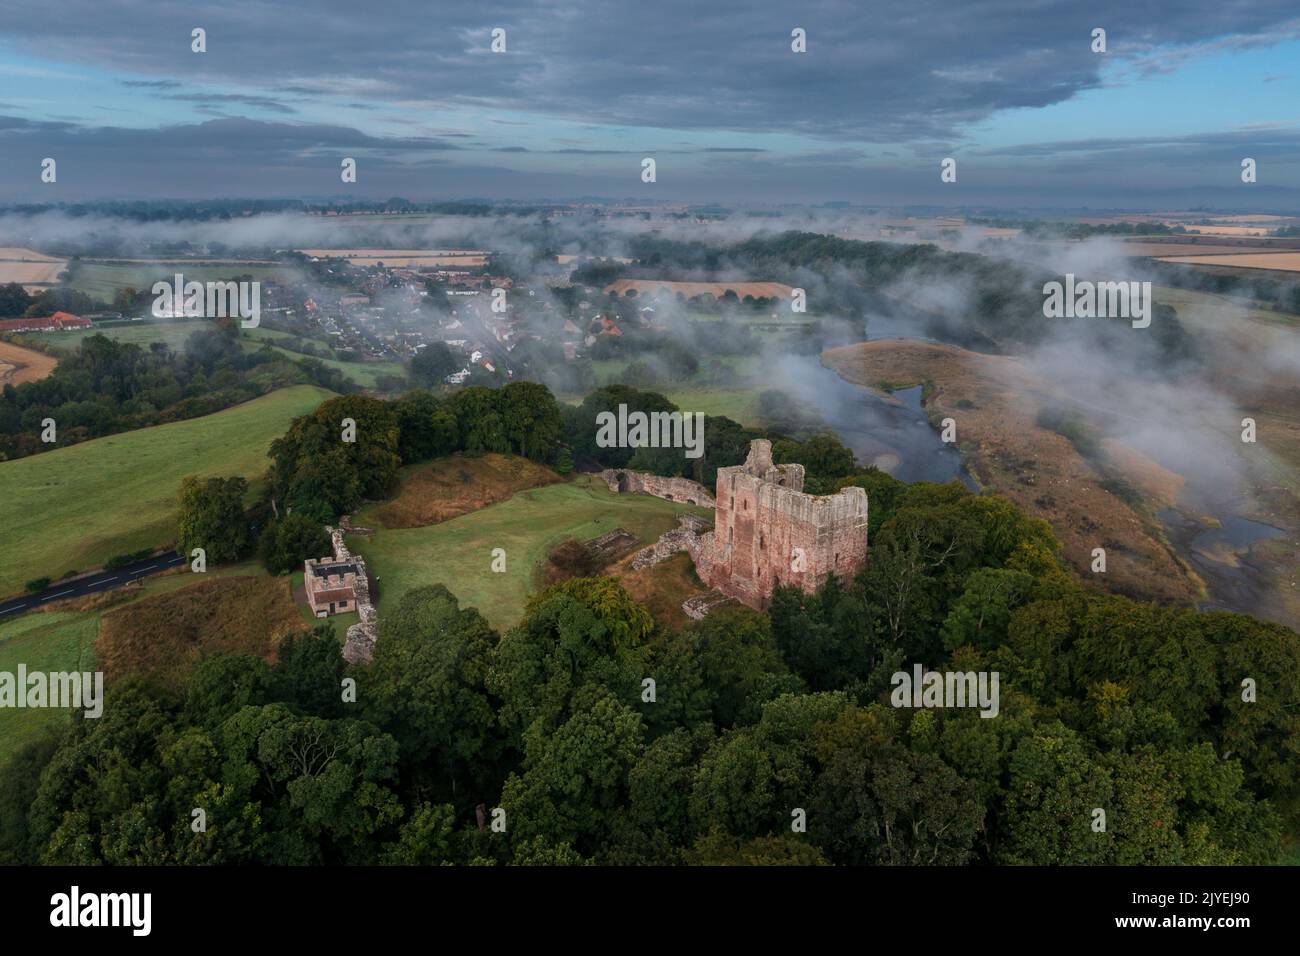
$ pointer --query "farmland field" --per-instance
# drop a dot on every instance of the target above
(647, 287)
(19, 365)
(365, 374)
(696, 394)
(1168, 249)
(76, 507)
(458, 553)
(1277, 261)
(102, 280)
(468, 258)
(137, 333)
(738, 404)
(33, 270)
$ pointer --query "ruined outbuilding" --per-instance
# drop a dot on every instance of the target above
(340, 584)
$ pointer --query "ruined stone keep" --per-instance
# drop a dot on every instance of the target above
(768, 531)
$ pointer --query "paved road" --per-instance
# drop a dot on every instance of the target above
(93, 584)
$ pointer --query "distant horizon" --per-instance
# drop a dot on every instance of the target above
(872, 208)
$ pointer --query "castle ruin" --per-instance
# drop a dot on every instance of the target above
(767, 531)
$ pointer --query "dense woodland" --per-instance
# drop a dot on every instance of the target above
(1105, 703)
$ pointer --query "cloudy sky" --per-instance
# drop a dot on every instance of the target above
(709, 88)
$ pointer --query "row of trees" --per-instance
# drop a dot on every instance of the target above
(17, 302)
(548, 744)
(726, 442)
(212, 516)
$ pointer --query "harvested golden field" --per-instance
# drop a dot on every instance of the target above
(454, 486)
(1277, 261)
(691, 289)
(8, 253)
(1228, 230)
(1041, 471)
(1170, 250)
(29, 268)
(1260, 217)
(19, 365)
(189, 262)
(565, 259)
(166, 635)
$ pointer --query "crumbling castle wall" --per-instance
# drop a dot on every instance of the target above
(621, 480)
(360, 644)
(685, 537)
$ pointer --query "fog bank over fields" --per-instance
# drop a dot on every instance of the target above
(1179, 413)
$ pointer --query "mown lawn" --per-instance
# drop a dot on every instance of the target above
(458, 553)
(73, 508)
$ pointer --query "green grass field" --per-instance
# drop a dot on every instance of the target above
(101, 280)
(365, 374)
(696, 394)
(137, 333)
(458, 553)
(738, 404)
(76, 507)
(64, 641)
(53, 641)
(609, 371)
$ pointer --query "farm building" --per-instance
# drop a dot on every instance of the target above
(59, 321)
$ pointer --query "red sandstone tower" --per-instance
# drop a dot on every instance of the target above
(767, 531)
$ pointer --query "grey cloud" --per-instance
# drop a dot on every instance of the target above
(897, 71)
